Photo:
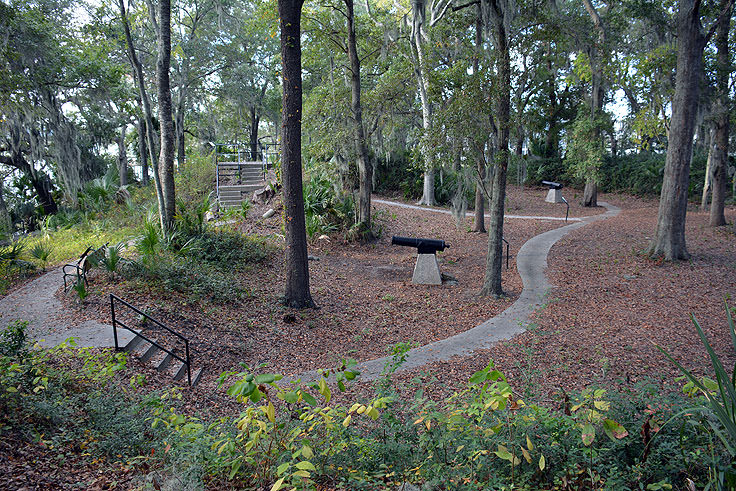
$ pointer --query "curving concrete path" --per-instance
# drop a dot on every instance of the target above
(531, 261)
(35, 302)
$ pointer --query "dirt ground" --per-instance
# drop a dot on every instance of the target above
(609, 305)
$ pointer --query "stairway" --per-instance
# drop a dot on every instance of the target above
(166, 357)
(160, 360)
(237, 180)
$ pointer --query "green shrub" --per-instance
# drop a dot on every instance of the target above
(195, 279)
(111, 260)
(190, 217)
(717, 404)
(326, 209)
(41, 251)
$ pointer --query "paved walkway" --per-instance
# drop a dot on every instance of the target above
(470, 213)
(35, 302)
(531, 261)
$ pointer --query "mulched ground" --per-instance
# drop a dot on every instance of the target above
(366, 300)
(609, 305)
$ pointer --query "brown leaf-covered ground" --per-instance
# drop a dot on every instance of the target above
(610, 304)
(366, 301)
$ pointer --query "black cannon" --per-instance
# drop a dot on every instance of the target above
(552, 185)
(424, 246)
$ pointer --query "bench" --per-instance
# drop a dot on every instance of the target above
(78, 270)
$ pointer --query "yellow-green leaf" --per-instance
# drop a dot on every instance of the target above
(346, 421)
(602, 405)
(305, 465)
(529, 444)
(542, 463)
(271, 412)
(526, 454)
(307, 452)
(588, 434)
(277, 485)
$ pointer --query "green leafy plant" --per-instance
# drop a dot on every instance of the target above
(112, 259)
(149, 240)
(190, 217)
(80, 287)
(275, 448)
(12, 253)
(720, 398)
(41, 251)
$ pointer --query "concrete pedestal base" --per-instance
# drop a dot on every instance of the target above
(554, 196)
(427, 271)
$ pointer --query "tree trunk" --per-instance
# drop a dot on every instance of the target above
(707, 181)
(721, 136)
(669, 236)
(123, 157)
(143, 150)
(590, 195)
(365, 168)
(297, 293)
(179, 131)
(6, 222)
(254, 122)
(146, 103)
(479, 225)
(420, 71)
(494, 259)
(166, 156)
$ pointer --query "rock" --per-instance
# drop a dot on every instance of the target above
(312, 258)
(323, 237)
(122, 195)
(269, 213)
(262, 196)
(448, 279)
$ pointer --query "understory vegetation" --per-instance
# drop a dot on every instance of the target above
(77, 403)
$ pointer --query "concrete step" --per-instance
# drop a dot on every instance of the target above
(181, 374)
(241, 165)
(253, 186)
(150, 351)
(133, 343)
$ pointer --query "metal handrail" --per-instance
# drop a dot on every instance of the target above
(116, 322)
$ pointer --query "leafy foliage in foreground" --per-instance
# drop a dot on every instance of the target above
(293, 436)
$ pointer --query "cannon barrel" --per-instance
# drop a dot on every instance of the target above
(424, 246)
(552, 185)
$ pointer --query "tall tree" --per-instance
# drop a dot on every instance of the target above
(166, 156)
(597, 92)
(669, 235)
(146, 109)
(297, 293)
(365, 168)
(497, 17)
(719, 160)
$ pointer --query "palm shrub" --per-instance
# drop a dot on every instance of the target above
(149, 240)
(112, 259)
(719, 405)
(190, 217)
(11, 253)
(41, 251)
